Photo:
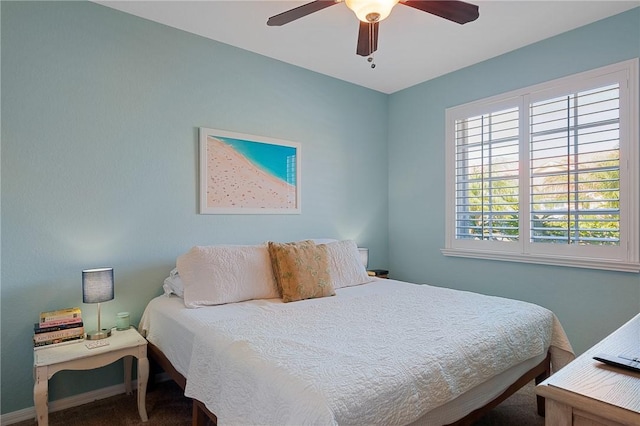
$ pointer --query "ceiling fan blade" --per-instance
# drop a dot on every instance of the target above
(456, 11)
(299, 12)
(367, 38)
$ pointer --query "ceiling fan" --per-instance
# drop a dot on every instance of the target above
(371, 12)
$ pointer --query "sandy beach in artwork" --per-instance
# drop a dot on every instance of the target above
(233, 181)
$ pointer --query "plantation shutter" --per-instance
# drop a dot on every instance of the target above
(574, 146)
(548, 174)
(486, 176)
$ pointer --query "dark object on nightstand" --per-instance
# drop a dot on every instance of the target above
(628, 363)
(380, 273)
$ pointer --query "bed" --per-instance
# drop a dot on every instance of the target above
(368, 351)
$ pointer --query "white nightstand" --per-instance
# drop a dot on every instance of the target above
(76, 356)
(589, 393)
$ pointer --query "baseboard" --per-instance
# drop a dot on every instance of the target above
(73, 401)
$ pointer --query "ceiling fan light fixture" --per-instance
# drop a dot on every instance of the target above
(371, 10)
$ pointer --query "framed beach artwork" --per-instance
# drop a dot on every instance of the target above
(247, 174)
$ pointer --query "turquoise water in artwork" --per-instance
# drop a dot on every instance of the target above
(277, 160)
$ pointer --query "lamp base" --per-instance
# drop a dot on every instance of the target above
(98, 334)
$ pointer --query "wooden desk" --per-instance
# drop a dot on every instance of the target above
(587, 392)
(76, 356)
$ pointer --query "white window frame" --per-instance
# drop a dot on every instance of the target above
(626, 256)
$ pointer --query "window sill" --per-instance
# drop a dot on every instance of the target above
(575, 262)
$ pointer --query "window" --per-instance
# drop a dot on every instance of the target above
(548, 174)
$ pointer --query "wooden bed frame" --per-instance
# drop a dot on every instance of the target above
(201, 414)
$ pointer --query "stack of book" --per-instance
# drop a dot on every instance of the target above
(57, 327)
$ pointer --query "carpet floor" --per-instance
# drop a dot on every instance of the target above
(166, 406)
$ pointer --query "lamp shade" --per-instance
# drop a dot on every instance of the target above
(97, 285)
(364, 256)
(371, 10)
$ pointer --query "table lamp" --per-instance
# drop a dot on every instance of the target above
(97, 287)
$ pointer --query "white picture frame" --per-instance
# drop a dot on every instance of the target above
(248, 174)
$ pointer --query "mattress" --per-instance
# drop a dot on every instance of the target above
(386, 352)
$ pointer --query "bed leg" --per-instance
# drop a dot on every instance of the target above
(199, 416)
(539, 379)
(154, 369)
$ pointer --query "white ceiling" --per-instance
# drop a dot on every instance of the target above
(413, 46)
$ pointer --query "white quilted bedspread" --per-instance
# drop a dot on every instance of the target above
(386, 356)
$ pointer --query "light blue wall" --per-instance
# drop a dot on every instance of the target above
(100, 112)
(590, 304)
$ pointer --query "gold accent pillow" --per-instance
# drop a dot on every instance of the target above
(301, 270)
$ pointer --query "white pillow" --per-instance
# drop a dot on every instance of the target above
(323, 240)
(173, 284)
(214, 275)
(345, 264)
